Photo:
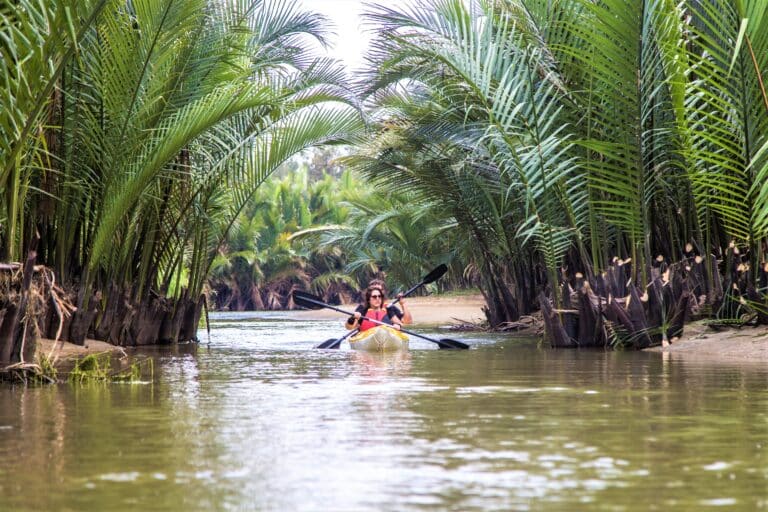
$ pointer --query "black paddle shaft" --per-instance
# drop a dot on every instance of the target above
(312, 302)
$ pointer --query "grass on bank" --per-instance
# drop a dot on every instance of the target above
(90, 368)
(98, 368)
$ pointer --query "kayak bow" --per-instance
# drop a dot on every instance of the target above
(379, 339)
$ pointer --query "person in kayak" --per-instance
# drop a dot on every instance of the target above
(392, 310)
(373, 308)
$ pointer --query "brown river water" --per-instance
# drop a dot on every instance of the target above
(255, 419)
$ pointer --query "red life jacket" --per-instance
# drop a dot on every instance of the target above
(380, 315)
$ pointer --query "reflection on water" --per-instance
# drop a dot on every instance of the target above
(257, 420)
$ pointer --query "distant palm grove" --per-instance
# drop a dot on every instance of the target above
(605, 161)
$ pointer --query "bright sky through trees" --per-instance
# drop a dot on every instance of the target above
(351, 38)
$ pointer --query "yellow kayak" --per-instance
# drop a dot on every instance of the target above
(379, 339)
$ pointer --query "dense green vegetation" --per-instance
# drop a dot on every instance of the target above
(259, 265)
(521, 141)
(560, 135)
(527, 141)
(328, 234)
(134, 133)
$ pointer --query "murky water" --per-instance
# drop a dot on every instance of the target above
(257, 420)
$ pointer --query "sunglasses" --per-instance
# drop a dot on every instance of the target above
(375, 296)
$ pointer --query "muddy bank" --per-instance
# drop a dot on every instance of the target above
(64, 351)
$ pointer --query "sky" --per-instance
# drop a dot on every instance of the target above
(351, 39)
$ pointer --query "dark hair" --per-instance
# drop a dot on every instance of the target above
(368, 293)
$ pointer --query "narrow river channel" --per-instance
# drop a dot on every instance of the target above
(255, 419)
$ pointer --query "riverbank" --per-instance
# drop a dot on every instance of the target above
(51, 357)
(748, 344)
(64, 351)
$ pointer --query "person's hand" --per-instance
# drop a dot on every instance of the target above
(357, 315)
(396, 326)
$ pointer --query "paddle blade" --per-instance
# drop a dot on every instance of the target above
(447, 343)
(307, 300)
(330, 343)
(435, 274)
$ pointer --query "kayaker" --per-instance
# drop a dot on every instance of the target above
(373, 308)
(392, 310)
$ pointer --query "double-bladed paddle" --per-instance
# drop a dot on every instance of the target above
(309, 301)
(433, 276)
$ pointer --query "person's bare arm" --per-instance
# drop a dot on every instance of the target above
(407, 317)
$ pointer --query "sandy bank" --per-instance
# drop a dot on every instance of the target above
(748, 344)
